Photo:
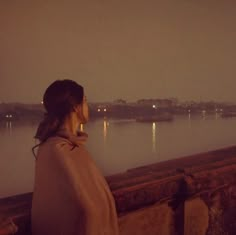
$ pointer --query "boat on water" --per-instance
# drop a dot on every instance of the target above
(228, 114)
(161, 117)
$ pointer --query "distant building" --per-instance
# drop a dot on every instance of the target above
(120, 101)
(158, 103)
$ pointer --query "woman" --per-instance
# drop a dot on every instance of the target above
(71, 197)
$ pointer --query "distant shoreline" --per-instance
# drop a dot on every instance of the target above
(143, 109)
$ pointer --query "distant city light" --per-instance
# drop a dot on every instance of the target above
(104, 110)
(99, 110)
(221, 110)
(154, 106)
(41, 102)
(189, 110)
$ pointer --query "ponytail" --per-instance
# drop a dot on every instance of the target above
(47, 128)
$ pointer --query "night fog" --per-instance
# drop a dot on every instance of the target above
(128, 49)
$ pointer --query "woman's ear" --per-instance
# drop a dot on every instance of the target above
(79, 111)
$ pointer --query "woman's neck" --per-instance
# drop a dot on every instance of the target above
(71, 124)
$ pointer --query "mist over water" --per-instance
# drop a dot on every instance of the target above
(116, 145)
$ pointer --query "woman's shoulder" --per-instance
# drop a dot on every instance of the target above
(60, 145)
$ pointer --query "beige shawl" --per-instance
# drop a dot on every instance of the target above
(71, 197)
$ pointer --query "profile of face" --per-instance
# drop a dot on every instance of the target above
(82, 111)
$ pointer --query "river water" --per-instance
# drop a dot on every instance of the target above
(116, 145)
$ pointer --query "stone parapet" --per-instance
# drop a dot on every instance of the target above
(193, 195)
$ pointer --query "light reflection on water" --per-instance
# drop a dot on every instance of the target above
(153, 137)
(116, 145)
(81, 127)
(9, 127)
(105, 125)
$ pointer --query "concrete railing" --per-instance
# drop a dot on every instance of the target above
(193, 195)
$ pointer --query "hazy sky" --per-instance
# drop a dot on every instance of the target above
(127, 49)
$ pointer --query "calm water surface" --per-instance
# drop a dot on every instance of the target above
(116, 145)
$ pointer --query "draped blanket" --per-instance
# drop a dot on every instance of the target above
(71, 196)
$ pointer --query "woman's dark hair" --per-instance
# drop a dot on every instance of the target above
(59, 100)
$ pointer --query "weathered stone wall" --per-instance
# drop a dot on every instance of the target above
(194, 195)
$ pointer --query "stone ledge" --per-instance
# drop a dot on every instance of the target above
(208, 176)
